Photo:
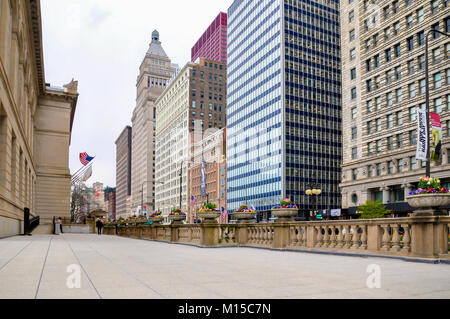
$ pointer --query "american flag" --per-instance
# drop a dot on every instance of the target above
(85, 158)
(224, 215)
(193, 200)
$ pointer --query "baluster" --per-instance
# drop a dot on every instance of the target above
(395, 238)
(363, 237)
(406, 239)
(331, 237)
(318, 236)
(326, 236)
(303, 235)
(348, 236)
(355, 237)
(260, 235)
(340, 238)
(385, 239)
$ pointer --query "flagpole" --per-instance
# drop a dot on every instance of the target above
(80, 172)
(80, 175)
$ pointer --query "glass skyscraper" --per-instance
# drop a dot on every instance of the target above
(283, 112)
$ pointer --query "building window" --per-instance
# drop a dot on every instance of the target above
(378, 121)
(352, 35)
(410, 43)
(395, 7)
(399, 138)
(370, 127)
(368, 86)
(437, 55)
(412, 137)
(399, 118)
(410, 67)
(368, 64)
(391, 167)
(389, 77)
(379, 169)
(388, 55)
(422, 87)
(400, 165)
(438, 105)
(354, 152)
(419, 14)
(351, 16)
(376, 61)
(387, 33)
(389, 98)
(354, 174)
(437, 77)
(398, 95)
(420, 38)
(370, 148)
(369, 106)
(390, 143)
(398, 72)
(412, 163)
(353, 93)
(435, 35)
(390, 121)
(353, 74)
(412, 113)
(421, 62)
(434, 6)
(409, 21)
(352, 54)
(412, 90)
(378, 103)
(379, 146)
(354, 133)
(354, 112)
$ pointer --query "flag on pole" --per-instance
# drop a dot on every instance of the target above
(224, 215)
(85, 158)
(87, 174)
(193, 200)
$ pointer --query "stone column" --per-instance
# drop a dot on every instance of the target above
(408, 189)
(280, 235)
(210, 234)
(385, 191)
(429, 236)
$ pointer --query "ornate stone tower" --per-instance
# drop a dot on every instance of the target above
(154, 73)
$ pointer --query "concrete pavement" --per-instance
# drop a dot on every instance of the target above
(114, 267)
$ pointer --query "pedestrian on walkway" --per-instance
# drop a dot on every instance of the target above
(60, 225)
(99, 225)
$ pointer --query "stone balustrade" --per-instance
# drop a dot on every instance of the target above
(424, 236)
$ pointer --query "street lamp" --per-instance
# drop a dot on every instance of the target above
(314, 191)
(181, 180)
(427, 96)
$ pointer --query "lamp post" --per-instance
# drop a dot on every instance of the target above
(313, 190)
(427, 96)
(181, 180)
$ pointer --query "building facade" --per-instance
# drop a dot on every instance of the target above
(35, 124)
(110, 200)
(154, 74)
(193, 103)
(212, 44)
(123, 171)
(283, 103)
(383, 71)
(210, 155)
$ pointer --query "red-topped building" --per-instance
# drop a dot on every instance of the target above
(212, 44)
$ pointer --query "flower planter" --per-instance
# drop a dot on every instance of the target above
(285, 214)
(156, 220)
(244, 217)
(209, 216)
(431, 200)
(177, 219)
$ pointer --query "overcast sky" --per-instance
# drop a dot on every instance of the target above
(101, 43)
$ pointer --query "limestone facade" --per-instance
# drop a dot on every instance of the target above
(154, 74)
(35, 123)
(383, 85)
(123, 171)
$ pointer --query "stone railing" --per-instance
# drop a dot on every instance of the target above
(425, 236)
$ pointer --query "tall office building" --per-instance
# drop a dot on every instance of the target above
(197, 93)
(154, 74)
(283, 103)
(383, 73)
(123, 171)
(212, 44)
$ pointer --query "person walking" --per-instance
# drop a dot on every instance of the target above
(60, 225)
(99, 225)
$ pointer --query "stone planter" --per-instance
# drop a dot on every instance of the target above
(177, 219)
(209, 217)
(428, 201)
(156, 220)
(285, 214)
(243, 217)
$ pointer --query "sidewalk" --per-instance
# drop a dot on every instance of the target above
(114, 267)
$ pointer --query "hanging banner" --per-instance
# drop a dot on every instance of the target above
(422, 135)
(203, 181)
(436, 135)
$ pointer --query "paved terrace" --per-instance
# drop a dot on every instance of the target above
(117, 267)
